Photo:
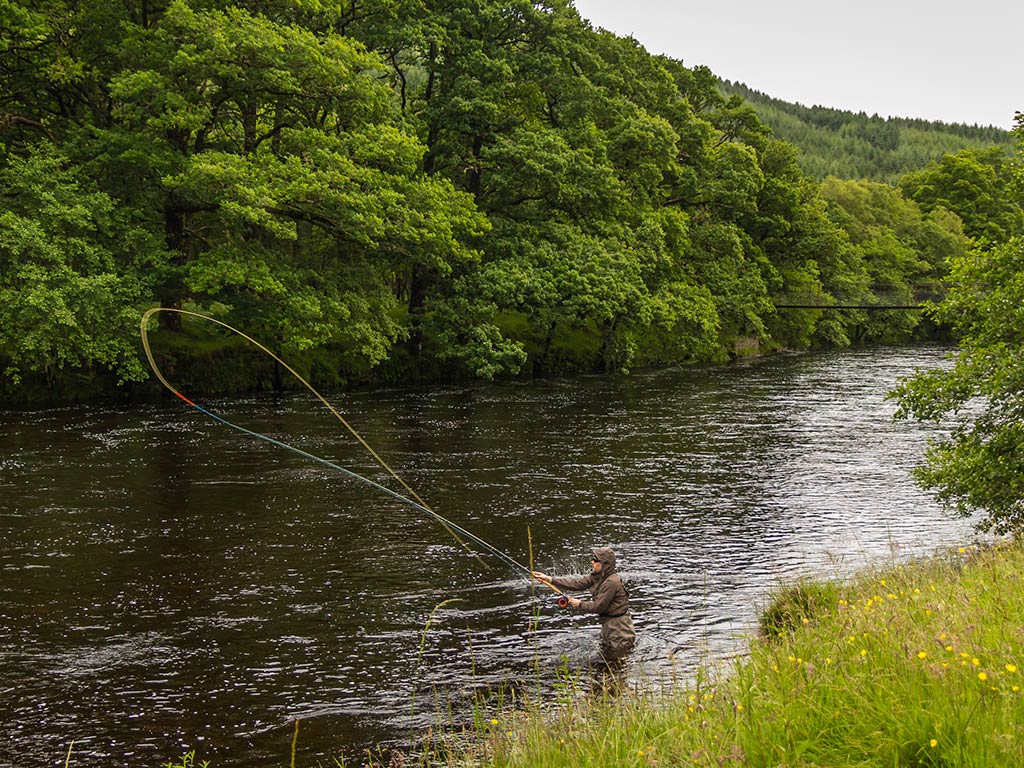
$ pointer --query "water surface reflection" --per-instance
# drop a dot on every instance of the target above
(169, 584)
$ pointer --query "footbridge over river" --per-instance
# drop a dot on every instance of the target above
(876, 296)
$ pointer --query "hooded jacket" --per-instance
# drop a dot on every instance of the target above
(608, 596)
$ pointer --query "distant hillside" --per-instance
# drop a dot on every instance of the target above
(853, 145)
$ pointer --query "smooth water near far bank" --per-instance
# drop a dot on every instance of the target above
(169, 584)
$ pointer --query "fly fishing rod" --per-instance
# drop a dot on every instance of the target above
(459, 533)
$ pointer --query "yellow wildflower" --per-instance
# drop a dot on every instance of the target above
(1011, 668)
(982, 676)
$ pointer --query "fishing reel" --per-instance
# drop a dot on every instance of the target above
(563, 601)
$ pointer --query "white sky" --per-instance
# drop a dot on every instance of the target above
(958, 61)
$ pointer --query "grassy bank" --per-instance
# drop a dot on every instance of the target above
(916, 665)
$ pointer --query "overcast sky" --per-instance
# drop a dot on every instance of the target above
(958, 62)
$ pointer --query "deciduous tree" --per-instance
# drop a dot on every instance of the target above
(979, 468)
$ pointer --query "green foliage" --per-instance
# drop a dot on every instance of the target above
(853, 145)
(376, 189)
(287, 162)
(69, 282)
(796, 605)
(187, 760)
(979, 186)
(898, 248)
(980, 466)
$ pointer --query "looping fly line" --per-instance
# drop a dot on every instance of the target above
(459, 533)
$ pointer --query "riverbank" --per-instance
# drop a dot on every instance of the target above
(201, 358)
(914, 665)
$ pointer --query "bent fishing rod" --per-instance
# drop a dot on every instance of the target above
(459, 533)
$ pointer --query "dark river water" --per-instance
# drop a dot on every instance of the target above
(169, 584)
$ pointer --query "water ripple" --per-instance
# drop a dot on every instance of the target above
(168, 584)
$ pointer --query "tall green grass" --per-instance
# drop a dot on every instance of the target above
(915, 665)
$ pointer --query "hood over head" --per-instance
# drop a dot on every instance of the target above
(606, 556)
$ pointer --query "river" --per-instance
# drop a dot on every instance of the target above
(169, 584)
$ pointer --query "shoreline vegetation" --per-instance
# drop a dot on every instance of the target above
(915, 664)
(903, 664)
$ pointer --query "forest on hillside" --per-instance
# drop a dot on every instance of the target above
(389, 190)
(854, 145)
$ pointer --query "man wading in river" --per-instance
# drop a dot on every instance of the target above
(608, 599)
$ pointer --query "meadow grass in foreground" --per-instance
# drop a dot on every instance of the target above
(915, 665)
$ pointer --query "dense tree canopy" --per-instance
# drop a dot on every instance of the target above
(71, 279)
(980, 467)
(392, 189)
(855, 145)
(977, 185)
(901, 250)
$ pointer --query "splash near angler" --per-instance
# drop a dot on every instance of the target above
(608, 599)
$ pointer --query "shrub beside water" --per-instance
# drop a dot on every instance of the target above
(796, 605)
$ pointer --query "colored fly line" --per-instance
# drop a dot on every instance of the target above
(457, 532)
